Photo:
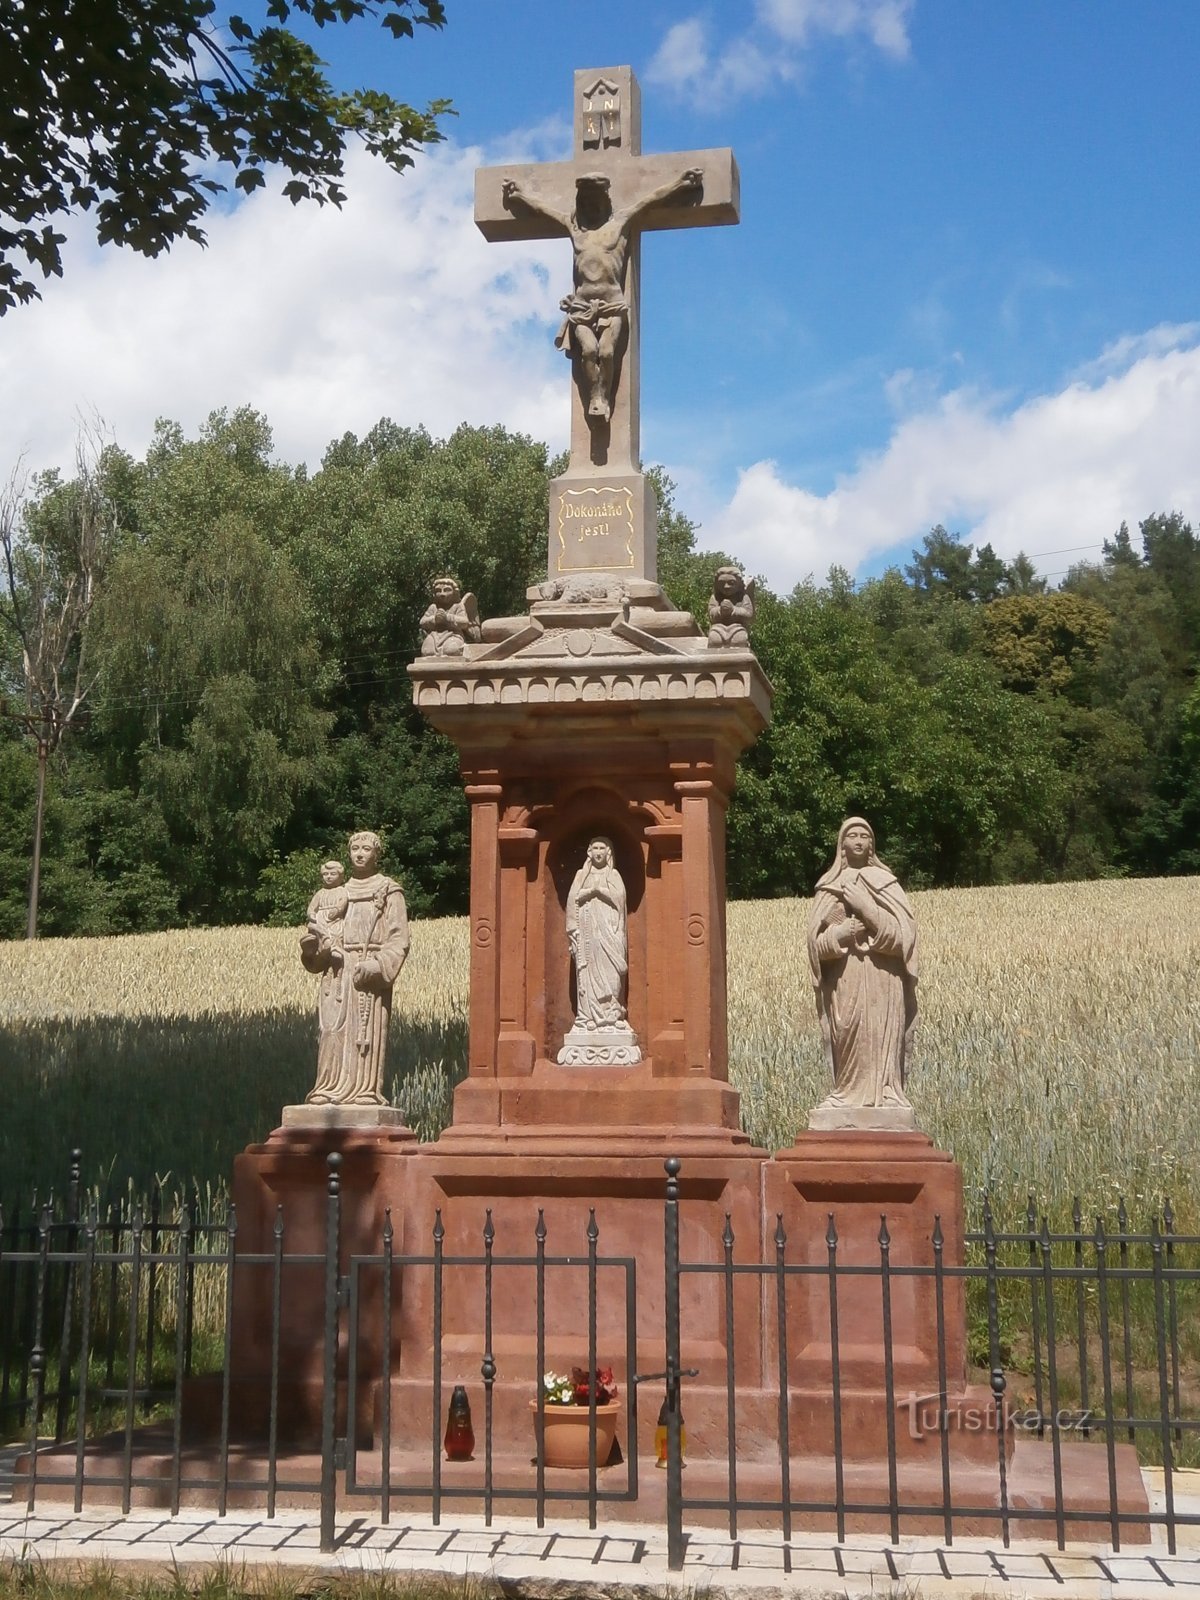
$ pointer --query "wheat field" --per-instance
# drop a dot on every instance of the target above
(1058, 1050)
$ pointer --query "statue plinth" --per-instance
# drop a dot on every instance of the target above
(872, 1119)
(341, 1116)
(600, 1047)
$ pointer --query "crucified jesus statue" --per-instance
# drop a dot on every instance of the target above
(597, 311)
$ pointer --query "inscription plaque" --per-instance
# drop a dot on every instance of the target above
(595, 529)
(605, 523)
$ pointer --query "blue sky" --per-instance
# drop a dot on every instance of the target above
(964, 289)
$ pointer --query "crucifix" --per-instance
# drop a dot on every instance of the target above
(602, 514)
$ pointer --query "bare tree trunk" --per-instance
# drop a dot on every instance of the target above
(48, 578)
(36, 874)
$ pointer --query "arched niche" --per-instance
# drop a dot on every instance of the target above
(589, 814)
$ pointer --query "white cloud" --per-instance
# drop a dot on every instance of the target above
(773, 46)
(1058, 471)
(798, 22)
(324, 320)
(1131, 347)
(683, 55)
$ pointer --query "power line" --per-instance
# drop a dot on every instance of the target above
(1067, 550)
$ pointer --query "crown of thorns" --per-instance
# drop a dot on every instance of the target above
(593, 180)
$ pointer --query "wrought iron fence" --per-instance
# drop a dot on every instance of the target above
(1108, 1334)
(110, 1381)
(121, 1373)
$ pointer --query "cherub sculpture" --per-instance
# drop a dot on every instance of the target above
(327, 908)
(731, 610)
(451, 622)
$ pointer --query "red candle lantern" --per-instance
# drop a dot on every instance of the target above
(460, 1435)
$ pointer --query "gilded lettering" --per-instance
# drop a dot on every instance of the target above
(608, 509)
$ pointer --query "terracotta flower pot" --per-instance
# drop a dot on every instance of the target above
(564, 1441)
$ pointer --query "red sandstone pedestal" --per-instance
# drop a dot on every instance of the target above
(612, 718)
(281, 1195)
(900, 1436)
(833, 1194)
(870, 1354)
(603, 719)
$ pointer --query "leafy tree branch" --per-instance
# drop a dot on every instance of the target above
(136, 110)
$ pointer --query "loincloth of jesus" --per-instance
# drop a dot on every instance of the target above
(594, 314)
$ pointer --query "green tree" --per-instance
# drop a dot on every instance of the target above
(942, 567)
(1172, 553)
(947, 765)
(1146, 674)
(368, 534)
(210, 718)
(947, 569)
(17, 779)
(130, 109)
(1045, 640)
(1119, 551)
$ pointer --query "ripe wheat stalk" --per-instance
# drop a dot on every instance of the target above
(1058, 1049)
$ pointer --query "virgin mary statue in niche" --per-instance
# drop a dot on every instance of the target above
(862, 950)
(598, 938)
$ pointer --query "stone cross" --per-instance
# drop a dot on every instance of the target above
(601, 512)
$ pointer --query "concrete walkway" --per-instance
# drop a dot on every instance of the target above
(564, 1559)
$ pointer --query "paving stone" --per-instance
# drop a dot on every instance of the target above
(622, 1551)
(264, 1537)
(563, 1555)
(922, 1562)
(569, 1547)
(1073, 1568)
(1131, 1569)
(970, 1564)
(433, 1540)
(519, 1544)
(124, 1533)
(381, 1539)
(36, 1528)
(713, 1556)
(759, 1557)
(1031, 1567)
(869, 1561)
(1179, 1568)
(475, 1544)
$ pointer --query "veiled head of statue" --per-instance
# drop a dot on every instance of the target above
(856, 842)
(600, 852)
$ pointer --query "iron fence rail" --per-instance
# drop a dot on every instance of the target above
(109, 1316)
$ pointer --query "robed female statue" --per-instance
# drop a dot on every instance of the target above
(862, 950)
(599, 942)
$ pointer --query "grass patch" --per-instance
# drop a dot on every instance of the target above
(38, 1580)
